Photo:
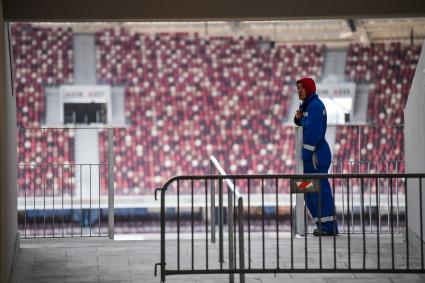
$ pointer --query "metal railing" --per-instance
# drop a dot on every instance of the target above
(45, 135)
(362, 141)
(235, 195)
(339, 189)
(66, 199)
(271, 249)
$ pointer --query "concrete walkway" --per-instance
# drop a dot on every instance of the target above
(104, 260)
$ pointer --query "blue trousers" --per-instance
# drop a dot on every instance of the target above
(325, 199)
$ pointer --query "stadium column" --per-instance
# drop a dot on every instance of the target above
(111, 193)
(414, 140)
(299, 206)
(9, 239)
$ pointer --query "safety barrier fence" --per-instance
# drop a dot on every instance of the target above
(44, 153)
(65, 199)
(370, 187)
(262, 243)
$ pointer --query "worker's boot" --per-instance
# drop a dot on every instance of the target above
(318, 232)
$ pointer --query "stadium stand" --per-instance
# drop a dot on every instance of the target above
(390, 68)
(188, 97)
(375, 145)
(43, 158)
(369, 149)
(41, 57)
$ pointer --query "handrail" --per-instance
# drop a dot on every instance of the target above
(230, 221)
(73, 127)
(223, 173)
(290, 176)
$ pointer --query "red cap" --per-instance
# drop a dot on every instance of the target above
(308, 84)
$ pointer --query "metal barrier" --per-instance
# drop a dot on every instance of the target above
(68, 199)
(370, 167)
(185, 249)
(215, 166)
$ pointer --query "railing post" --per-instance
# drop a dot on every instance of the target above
(111, 183)
(220, 223)
(162, 216)
(241, 240)
(230, 231)
(212, 205)
(299, 206)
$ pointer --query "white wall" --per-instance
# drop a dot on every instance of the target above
(414, 147)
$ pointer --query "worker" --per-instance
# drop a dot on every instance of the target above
(316, 156)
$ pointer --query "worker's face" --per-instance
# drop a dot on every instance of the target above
(302, 94)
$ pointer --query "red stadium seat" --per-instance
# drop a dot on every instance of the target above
(188, 97)
(42, 57)
(390, 67)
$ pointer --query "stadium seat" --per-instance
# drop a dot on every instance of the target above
(41, 57)
(187, 97)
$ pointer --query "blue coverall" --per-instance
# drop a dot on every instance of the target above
(316, 156)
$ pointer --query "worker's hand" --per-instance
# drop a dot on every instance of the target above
(299, 114)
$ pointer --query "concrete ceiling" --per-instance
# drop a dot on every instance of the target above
(332, 32)
(193, 10)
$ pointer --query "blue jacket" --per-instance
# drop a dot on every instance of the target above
(316, 153)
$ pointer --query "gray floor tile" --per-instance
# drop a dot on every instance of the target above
(119, 259)
(299, 280)
(81, 279)
(75, 264)
(392, 276)
(144, 279)
(323, 275)
(370, 280)
(115, 277)
(21, 279)
(113, 271)
(409, 280)
(49, 280)
(81, 251)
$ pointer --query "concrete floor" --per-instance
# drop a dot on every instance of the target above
(104, 260)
